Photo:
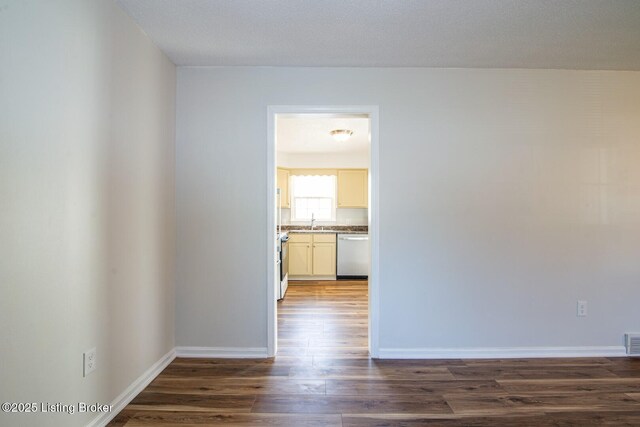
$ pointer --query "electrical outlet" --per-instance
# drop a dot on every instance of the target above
(582, 308)
(89, 358)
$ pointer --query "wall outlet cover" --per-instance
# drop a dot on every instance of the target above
(89, 359)
(581, 308)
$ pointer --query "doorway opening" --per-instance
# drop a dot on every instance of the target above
(322, 290)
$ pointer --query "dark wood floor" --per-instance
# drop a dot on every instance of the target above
(323, 377)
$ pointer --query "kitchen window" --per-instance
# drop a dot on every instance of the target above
(313, 195)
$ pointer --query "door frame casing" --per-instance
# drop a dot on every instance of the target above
(372, 111)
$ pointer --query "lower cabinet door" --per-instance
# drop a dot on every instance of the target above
(324, 259)
(300, 259)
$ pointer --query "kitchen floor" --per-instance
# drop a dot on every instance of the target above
(324, 318)
(322, 376)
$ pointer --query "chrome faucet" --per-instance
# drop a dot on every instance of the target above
(313, 221)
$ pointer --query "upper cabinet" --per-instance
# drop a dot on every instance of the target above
(353, 188)
(283, 185)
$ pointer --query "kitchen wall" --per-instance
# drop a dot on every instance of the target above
(349, 160)
(87, 223)
(352, 160)
(505, 196)
(344, 216)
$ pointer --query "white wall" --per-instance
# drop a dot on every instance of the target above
(87, 166)
(505, 196)
(356, 159)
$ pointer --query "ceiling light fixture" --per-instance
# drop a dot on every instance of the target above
(341, 135)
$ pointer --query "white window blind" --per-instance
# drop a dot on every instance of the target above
(313, 195)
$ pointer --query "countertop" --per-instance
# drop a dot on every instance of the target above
(328, 229)
(331, 231)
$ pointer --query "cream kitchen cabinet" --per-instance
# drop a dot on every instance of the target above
(283, 185)
(300, 255)
(312, 255)
(324, 255)
(353, 189)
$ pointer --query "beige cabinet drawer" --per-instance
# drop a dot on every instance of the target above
(300, 238)
(324, 238)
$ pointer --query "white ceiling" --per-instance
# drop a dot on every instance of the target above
(572, 34)
(311, 135)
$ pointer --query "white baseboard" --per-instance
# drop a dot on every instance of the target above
(500, 352)
(133, 390)
(311, 278)
(150, 374)
(223, 352)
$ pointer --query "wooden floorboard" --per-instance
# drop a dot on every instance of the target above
(323, 376)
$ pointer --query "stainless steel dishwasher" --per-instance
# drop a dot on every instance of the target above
(353, 256)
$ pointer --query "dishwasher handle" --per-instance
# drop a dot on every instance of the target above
(355, 238)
